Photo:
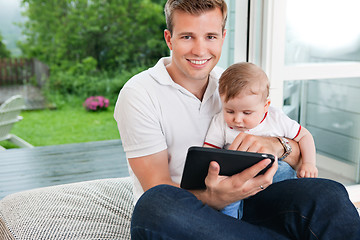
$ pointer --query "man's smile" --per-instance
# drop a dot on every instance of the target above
(198, 62)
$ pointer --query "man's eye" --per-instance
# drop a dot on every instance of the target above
(186, 37)
(211, 37)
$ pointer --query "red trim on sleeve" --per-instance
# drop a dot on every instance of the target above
(298, 132)
(212, 145)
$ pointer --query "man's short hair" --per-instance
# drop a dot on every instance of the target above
(194, 7)
(244, 78)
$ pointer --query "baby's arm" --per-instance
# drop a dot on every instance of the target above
(308, 154)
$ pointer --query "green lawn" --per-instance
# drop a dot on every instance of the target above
(70, 124)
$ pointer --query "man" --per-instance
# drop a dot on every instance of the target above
(163, 111)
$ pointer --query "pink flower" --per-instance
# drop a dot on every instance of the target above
(95, 103)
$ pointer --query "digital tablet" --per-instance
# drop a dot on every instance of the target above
(231, 162)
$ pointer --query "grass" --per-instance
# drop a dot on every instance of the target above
(69, 124)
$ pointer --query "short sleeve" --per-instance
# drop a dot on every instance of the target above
(138, 122)
(291, 127)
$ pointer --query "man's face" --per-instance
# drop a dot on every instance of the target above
(196, 44)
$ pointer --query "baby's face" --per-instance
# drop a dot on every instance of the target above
(244, 112)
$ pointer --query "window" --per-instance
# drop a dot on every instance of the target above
(313, 53)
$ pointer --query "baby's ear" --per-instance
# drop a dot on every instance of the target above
(267, 104)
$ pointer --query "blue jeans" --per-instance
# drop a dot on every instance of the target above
(284, 172)
(308, 208)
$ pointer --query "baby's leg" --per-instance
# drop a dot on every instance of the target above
(284, 172)
(234, 210)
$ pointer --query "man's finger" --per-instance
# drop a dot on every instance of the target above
(213, 174)
(252, 171)
(255, 147)
(237, 142)
(272, 170)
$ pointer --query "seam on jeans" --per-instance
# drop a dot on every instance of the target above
(307, 219)
(313, 233)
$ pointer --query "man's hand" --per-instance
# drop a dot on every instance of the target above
(223, 190)
(271, 145)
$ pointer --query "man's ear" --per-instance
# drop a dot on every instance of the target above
(223, 36)
(224, 33)
(167, 36)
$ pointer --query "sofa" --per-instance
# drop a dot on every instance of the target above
(98, 209)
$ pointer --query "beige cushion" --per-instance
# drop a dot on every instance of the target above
(99, 209)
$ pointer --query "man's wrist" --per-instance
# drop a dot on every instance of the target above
(205, 198)
(287, 149)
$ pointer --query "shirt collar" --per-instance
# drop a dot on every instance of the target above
(161, 75)
(159, 72)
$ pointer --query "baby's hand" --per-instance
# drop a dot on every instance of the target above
(307, 170)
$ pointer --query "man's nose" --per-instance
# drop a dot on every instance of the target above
(199, 48)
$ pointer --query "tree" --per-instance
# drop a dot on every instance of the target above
(118, 34)
(4, 53)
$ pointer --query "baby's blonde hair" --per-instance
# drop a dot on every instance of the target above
(244, 78)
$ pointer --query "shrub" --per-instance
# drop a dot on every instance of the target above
(86, 83)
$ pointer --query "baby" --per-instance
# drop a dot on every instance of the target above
(244, 92)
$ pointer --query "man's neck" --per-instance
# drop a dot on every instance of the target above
(198, 89)
(196, 86)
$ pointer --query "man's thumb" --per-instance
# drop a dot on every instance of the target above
(214, 169)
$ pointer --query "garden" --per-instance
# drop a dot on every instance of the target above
(91, 48)
(72, 123)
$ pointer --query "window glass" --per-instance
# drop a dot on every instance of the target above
(227, 55)
(329, 109)
(322, 31)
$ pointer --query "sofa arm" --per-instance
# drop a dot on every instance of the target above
(99, 209)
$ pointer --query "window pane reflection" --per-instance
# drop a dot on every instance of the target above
(329, 109)
(322, 31)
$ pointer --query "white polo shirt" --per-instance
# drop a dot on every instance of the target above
(154, 113)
